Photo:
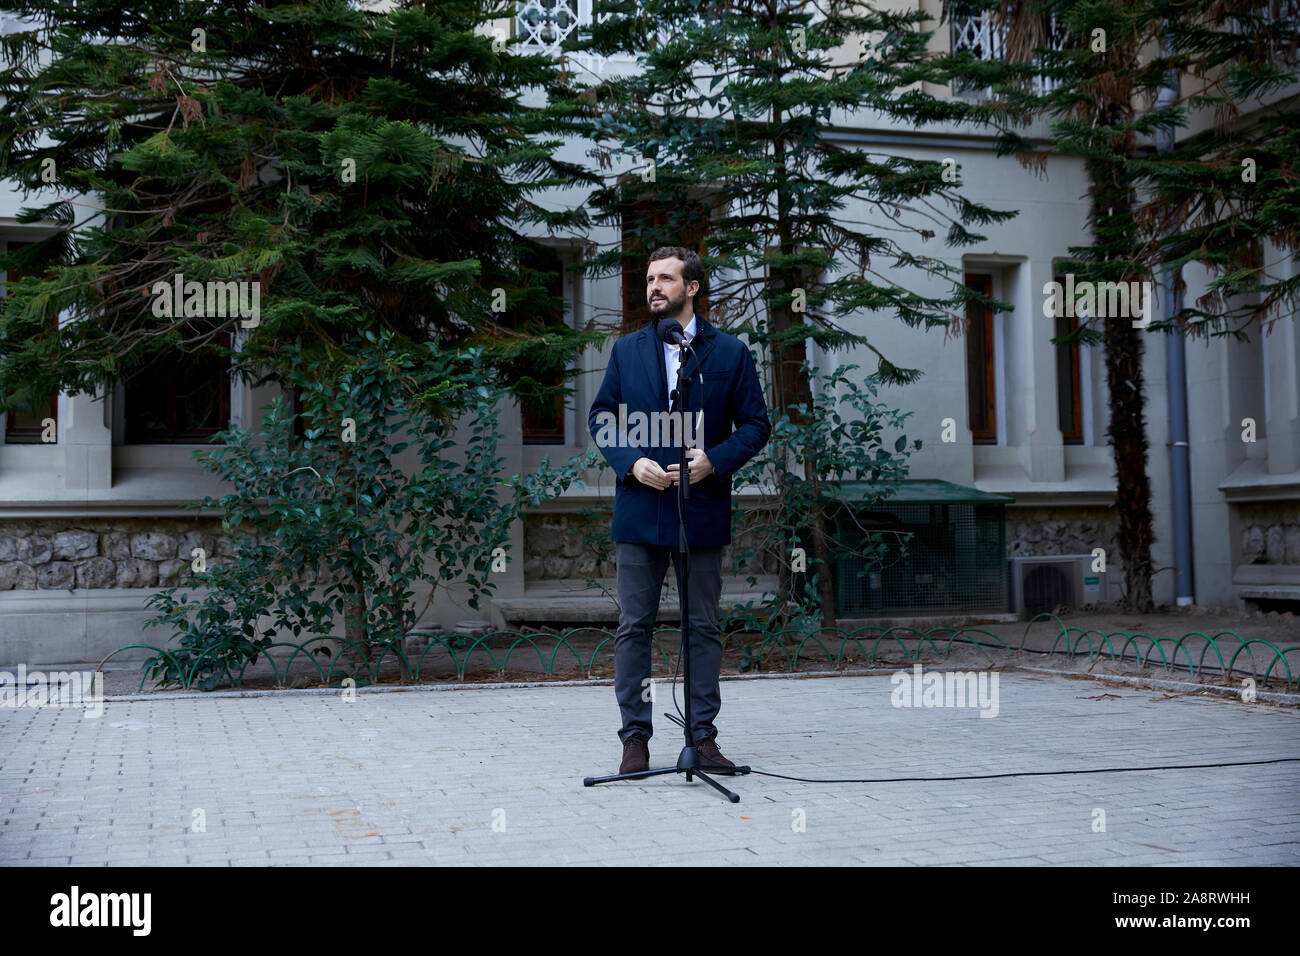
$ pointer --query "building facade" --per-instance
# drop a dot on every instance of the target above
(93, 492)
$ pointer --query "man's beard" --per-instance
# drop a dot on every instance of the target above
(666, 307)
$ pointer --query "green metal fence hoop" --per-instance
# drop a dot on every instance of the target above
(481, 641)
(1291, 679)
(795, 664)
(591, 663)
(1073, 651)
(572, 650)
(1132, 639)
(298, 649)
(394, 646)
(1154, 644)
(1105, 638)
(1277, 655)
(897, 640)
(596, 650)
(334, 658)
(935, 632)
(541, 658)
(754, 645)
(567, 636)
(126, 647)
(921, 635)
(434, 639)
(1177, 642)
(1034, 620)
(780, 642)
(224, 645)
(654, 634)
(817, 635)
(1109, 646)
(839, 653)
(1210, 642)
(974, 630)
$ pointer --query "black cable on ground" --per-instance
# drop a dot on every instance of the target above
(1034, 773)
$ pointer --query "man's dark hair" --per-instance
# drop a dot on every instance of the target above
(692, 267)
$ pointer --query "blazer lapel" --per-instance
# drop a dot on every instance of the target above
(651, 350)
(701, 346)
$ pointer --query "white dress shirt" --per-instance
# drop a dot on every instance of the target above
(672, 358)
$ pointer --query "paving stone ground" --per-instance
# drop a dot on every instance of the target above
(494, 776)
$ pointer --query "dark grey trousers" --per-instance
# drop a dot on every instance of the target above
(641, 569)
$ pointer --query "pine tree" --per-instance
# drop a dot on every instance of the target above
(730, 109)
(365, 169)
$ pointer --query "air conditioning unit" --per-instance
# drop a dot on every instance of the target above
(1044, 582)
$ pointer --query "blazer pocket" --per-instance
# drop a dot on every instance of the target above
(716, 383)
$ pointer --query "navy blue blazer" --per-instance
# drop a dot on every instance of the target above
(723, 370)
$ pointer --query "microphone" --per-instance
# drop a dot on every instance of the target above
(671, 332)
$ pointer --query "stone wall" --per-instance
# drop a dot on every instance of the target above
(560, 546)
(1047, 531)
(573, 546)
(58, 554)
(1270, 532)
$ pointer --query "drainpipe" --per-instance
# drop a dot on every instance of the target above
(1180, 475)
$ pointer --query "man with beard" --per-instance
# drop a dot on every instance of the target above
(723, 383)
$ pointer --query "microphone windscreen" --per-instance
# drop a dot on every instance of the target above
(671, 332)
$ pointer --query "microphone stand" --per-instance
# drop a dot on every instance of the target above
(688, 761)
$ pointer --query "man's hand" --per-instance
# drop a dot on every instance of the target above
(697, 462)
(650, 474)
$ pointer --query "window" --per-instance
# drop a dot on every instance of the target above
(545, 24)
(981, 380)
(182, 400)
(1069, 386)
(647, 225)
(976, 31)
(26, 428)
(542, 415)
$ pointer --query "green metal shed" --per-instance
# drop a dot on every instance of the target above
(932, 547)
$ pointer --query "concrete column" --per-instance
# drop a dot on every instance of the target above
(1035, 389)
(86, 436)
(1283, 392)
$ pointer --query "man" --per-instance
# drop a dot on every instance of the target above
(641, 374)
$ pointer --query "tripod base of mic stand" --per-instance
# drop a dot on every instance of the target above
(688, 762)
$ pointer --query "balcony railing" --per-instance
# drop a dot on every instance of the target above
(978, 33)
(545, 24)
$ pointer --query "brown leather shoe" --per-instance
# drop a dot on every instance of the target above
(711, 759)
(636, 755)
